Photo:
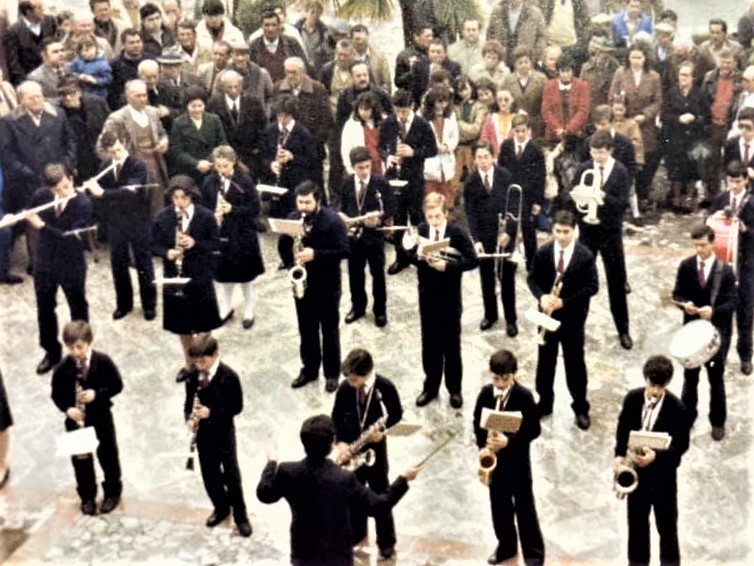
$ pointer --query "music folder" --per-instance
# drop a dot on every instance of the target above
(291, 228)
(428, 247)
(500, 421)
(272, 189)
(77, 442)
(649, 439)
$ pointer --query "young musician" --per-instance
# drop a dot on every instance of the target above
(323, 246)
(59, 259)
(486, 195)
(185, 235)
(83, 386)
(606, 238)
(406, 140)
(563, 278)
(321, 495)
(232, 194)
(127, 204)
(367, 403)
(705, 288)
(511, 483)
(213, 399)
(737, 203)
(440, 304)
(364, 193)
(653, 408)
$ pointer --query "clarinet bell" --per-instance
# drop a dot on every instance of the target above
(190, 464)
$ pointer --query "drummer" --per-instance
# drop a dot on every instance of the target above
(705, 288)
(737, 203)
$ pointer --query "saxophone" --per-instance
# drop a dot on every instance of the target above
(487, 457)
(354, 457)
(297, 274)
(80, 405)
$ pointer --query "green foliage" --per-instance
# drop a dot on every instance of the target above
(372, 10)
(452, 13)
(248, 16)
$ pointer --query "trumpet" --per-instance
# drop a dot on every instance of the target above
(555, 292)
(588, 196)
(193, 424)
(355, 458)
(297, 275)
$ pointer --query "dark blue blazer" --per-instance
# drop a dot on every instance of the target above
(126, 206)
(303, 166)
(529, 171)
(623, 151)
(385, 202)
(483, 208)
(721, 282)
(420, 137)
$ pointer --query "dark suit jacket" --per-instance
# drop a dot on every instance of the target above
(721, 283)
(223, 397)
(420, 83)
(245, 136)
(168, 95)
(188, 145)
(671, 419)
(124, 70)
(529, 171)
(623, 151)
(304, 163)
(617, 187)
(483, 208)
(126, 207)
(385, 202)
(580, 282)
(102, 376)
(420, 137)
(732, 152)
(513, 460)
(745, 213)
(23, 50)
(321, 496)
(58, 254)
(95, 112)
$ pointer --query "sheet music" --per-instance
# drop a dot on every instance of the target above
(649, 439)
(76, 442)
(500, 421)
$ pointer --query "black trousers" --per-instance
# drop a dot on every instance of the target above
(663, 497)
(409, 208)
(318, 312)
(715, 372)
(646, 174)
(745, 312)
(367, 251)
(609, 244)
(125, 239)
(507, 277)
(529, 234)
(109, 461)
(511, 496)
(220, 472)
(46, 288)
(571, 336)
(376, 477)
(441, 342)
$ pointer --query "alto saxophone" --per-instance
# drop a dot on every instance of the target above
(193, 424)
(487, 457)
(355, 458)
(297, 275)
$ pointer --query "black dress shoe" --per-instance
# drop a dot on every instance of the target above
(746, 368)
(493, 559)
(150, 314)
(109, 504)
(247, 323)
(6, 477)
(120, 313)
(302, 380)
(380, 320)
(544, 410)
(626, 342)
(217, 518)
(244, 529)
(396, 267)
(11, 279)
(89, 508)
(331, 384)
(583, 422)
(228, 316)
(486, 323)
(387, 552)
(718, 433)
(47, 363)
(456, 401)
(424, 398)
(511, 329)
(353, 316)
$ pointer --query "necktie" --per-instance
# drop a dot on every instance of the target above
(437, 234)
(487, 184)
(733, 205)
(234, 112)
(602, 176)
(83, 370)
(362, 395)
(646, 421)
(746, 154)
(282, 137)
(203, 379)
(116, 171)
(402, 129)
(702, 281)
(59, 209)
(561, 263)
(519, 151)
(362, 193)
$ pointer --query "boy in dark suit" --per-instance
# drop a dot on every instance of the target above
(705, 288)
(59, 260)
(213, 399)
(366, 398)
(363, 193)
(741, 147)
(511, 482)
(321, 495)
(440, 304)
(82, 387)
(653, 408)
(563, 278)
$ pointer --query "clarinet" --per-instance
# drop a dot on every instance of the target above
(80, 405)
(194, 426)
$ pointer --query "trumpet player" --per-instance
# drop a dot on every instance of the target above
(606, 238)
(563, 278)
(362, 193)
(363, 399)
(653, 408)
(440, 302)
(83, 386)
(511, 482)
(323, 246)
(218, 389)
(492, 215)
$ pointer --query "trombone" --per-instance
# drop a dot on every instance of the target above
(503, 218)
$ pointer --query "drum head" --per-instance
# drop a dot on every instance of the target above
(693, 345)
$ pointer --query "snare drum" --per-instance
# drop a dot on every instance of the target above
(695, 343)
(726, 237)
